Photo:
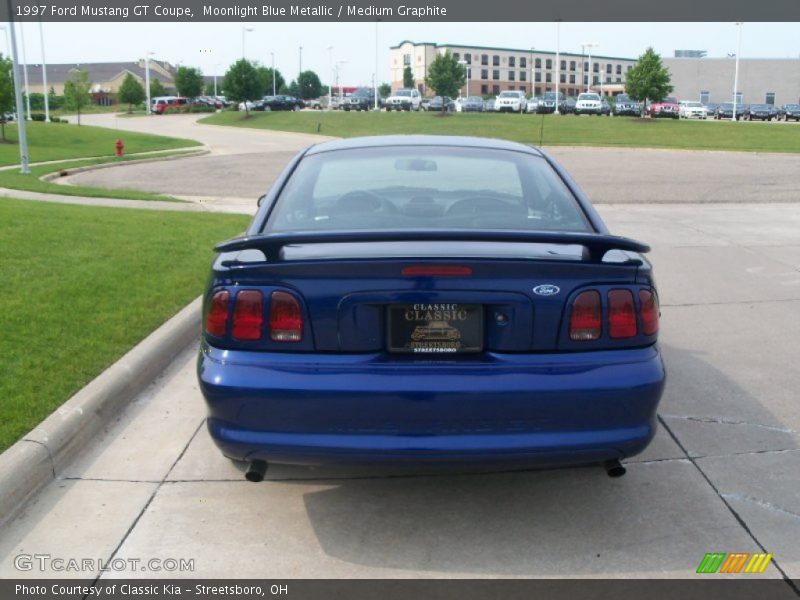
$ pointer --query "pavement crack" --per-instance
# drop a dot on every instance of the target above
(762, 504)
(49, 454)
(723, 421)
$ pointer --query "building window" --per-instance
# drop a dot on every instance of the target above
(484, 73)
(572, 65)
(549, 78)
(572, 78)
(595, 80)
(468, 58)
(586, 65)
(484, 59)
(585, 80)
(496, 60)
(619, 69)
(456, 55)
(619, 79)
(496, 74)
(629, 68)
(563, 78)
(512, 61)
(523, 62)
(484, 90)
(563, 65)
(738, 97)
(770, 98)
(523, 75)
(538, 76)
(538, 91)
(549, 63)
(608, 78)
(705, 96)
(609, 66)
(596, 67)
(511, 75)
(538, 63)
(469, 73)
(406, 59)
(495, 89)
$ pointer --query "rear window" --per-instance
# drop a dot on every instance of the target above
(425, 187)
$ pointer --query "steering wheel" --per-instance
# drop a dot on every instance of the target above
(483, 204)
(362, 201)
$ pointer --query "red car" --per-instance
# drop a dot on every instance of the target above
(666, 108)
(167, 104)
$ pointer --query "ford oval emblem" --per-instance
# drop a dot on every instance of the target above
(546, 290)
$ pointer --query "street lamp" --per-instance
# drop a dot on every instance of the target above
(375, 83)
(466, 71)
(147, 80)
(338, 63)
(330, 85)
(558, 63)
(244, 32)
(25, 69)
(21, 133)
(272, 57)
(589, 81)
(216, 68)
(300, 64)
(736, 70)
(44, 75)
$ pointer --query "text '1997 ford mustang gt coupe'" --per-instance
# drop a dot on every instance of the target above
(429, 300)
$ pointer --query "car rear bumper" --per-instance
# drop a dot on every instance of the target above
(538, 409)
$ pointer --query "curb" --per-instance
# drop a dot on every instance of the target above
(42, 454)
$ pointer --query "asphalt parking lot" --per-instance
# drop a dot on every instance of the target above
(721, 476)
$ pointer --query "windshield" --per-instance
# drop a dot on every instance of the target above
(509, 95)
(759, 106)
(693, 104)
(474, 99)
(793, 106)
(402, 93)
(425, 187)
(588, 97)
(623, 98)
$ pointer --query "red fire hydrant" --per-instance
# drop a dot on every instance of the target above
(118, 146)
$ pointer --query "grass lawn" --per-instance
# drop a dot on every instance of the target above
(566, 130)
(82, 285)
(60, 141)
(13, 179)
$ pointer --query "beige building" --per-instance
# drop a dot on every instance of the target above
(105, 77)
(492, 70)
(761, 80)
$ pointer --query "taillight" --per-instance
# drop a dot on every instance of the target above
(436, 270)
(217, 315)
(248, 315)
(649, 308)
(621, 314)
(585, 322)
(285, 318)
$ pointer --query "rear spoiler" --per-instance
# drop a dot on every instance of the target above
(597, 244)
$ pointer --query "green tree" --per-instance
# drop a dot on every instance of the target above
(408, 77)
(7, 99)
(54, 101)
(242, 83)
(309, 84)
(189, 82)
(131, 92)
(648, 80)
(384, 90)
(445, 75)
(76, 91)
(157, 88)
(265, 78)
(292, 89)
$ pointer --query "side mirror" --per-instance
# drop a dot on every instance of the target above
(261, 199)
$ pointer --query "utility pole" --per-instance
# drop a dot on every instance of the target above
(44, 74)
(23, 138)
(736, 71)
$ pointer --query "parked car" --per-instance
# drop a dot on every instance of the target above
(405, 99)
(423, 105)
(209, 101)
(361, 99)
(280, 102)
(472, 104)
(711, 108)
(689, 109)
(315, 103)
(488, 105)
(627, 107)
(667, 108)
(533, 104)
(246, 105)
(548, 102)
(569, 106)
(588, 104)
(759, 112)
(725, 111)
(442, 104)
(165, 104)
(605, 107)
(364, 320)
(510, 101)
(791, 112)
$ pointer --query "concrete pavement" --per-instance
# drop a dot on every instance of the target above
(722, 475)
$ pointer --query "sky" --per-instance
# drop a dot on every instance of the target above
(206, 45)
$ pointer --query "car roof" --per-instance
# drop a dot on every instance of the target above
(388, 141)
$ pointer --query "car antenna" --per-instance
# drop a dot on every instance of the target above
(541, 131)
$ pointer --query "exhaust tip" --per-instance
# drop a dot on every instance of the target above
(256, 471)
(614, 468)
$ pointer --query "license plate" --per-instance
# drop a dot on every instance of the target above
(435, 328)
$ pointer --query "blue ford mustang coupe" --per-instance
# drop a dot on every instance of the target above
(424, 299)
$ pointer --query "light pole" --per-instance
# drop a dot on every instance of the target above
(147, 56)
(338, 63)
(736, 70)
(216, 68)
(330, 85)
(25, 70)
(466, 71)
(44, 75)
(589, 81)
(558, 63)
(300, 65)
(375, 83)
(272, 58)
(245, 29)
(23, 138)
